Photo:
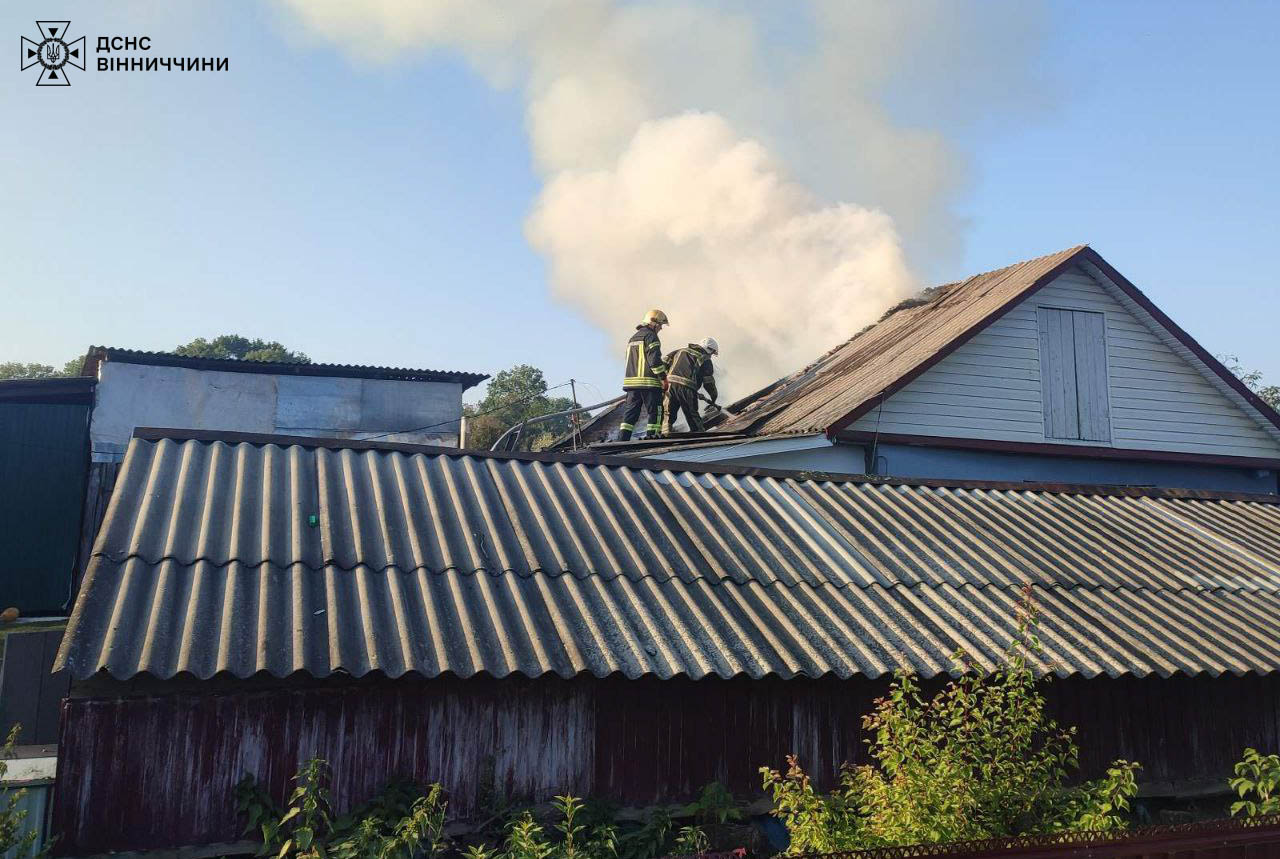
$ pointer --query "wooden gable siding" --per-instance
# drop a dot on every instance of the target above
(990, 387)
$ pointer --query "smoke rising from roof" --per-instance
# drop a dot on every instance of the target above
(684, 171)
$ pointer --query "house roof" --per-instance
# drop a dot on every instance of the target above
(98, 354)
(850, 380)
(435, 561)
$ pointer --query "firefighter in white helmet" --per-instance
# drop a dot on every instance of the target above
(688, 370)
(646, 377)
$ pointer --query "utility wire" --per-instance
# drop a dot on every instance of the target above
(497, 408)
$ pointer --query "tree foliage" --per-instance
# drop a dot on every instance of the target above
(1270, 394)
(19, 370)
(242, 349)
(514, 395)
(980, 758)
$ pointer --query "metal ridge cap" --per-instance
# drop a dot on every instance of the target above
(313, 368)
(154, 434)
(614, 575)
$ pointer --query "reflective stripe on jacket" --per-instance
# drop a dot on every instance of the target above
(691, 367)
(644, 360)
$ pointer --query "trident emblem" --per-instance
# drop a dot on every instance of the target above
(53, 53)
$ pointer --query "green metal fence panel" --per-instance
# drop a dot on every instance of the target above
(44, 460)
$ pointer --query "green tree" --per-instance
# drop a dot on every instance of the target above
(241, 348)
(514, 395)
(19, 370)
(1270, 394)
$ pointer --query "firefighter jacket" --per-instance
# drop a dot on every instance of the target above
(644, 361)
(691, 367)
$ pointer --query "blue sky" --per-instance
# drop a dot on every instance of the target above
(374, 213)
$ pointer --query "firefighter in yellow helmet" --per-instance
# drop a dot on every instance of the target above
(688, 369)
(646, 377)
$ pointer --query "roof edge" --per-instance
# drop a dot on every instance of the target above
(1180, 334)
(60, 390)
(959, 340)
(153, 434)
(97, 354)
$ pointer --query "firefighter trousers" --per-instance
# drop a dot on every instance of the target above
(681, 398)
(648, 399)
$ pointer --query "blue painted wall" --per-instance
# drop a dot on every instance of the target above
(837, 459)
(893, 460)
(947, 464)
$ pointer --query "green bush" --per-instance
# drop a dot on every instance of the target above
(1255, 781)
(980, 758)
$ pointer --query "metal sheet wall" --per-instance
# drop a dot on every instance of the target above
(169, 763)
(44, 456)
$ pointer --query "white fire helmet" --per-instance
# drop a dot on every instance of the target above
(710, 345)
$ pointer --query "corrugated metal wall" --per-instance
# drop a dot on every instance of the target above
(44, 457)
(168, 764)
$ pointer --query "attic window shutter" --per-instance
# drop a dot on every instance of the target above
(1073, 374)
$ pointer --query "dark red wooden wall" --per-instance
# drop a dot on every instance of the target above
(157, 770)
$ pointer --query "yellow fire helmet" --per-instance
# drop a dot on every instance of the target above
(655, 316)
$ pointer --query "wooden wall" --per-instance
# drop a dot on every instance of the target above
(158, 770)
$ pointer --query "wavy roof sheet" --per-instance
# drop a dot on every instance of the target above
(435, 561)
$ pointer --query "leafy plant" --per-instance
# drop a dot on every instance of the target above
(980, 758)
(401, 822)
(1258, 775)
(649, 839)
(12, 818)
(715, 804)
(691, 841)
(816, 823)
(526, 839)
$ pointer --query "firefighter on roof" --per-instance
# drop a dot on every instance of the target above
(689, 369)
(646, 377)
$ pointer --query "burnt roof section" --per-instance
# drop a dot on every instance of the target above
(97, 354)
(273, 558)
(851, 379)
(75, 390)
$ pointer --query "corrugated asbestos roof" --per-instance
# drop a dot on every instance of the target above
(853, 374)
(98, 354)
(442, 562)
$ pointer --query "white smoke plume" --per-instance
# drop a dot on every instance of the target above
(695, 160)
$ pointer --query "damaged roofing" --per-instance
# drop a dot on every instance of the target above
(836, 389)
(434, 561)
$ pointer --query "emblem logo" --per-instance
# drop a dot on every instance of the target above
(53, 53)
